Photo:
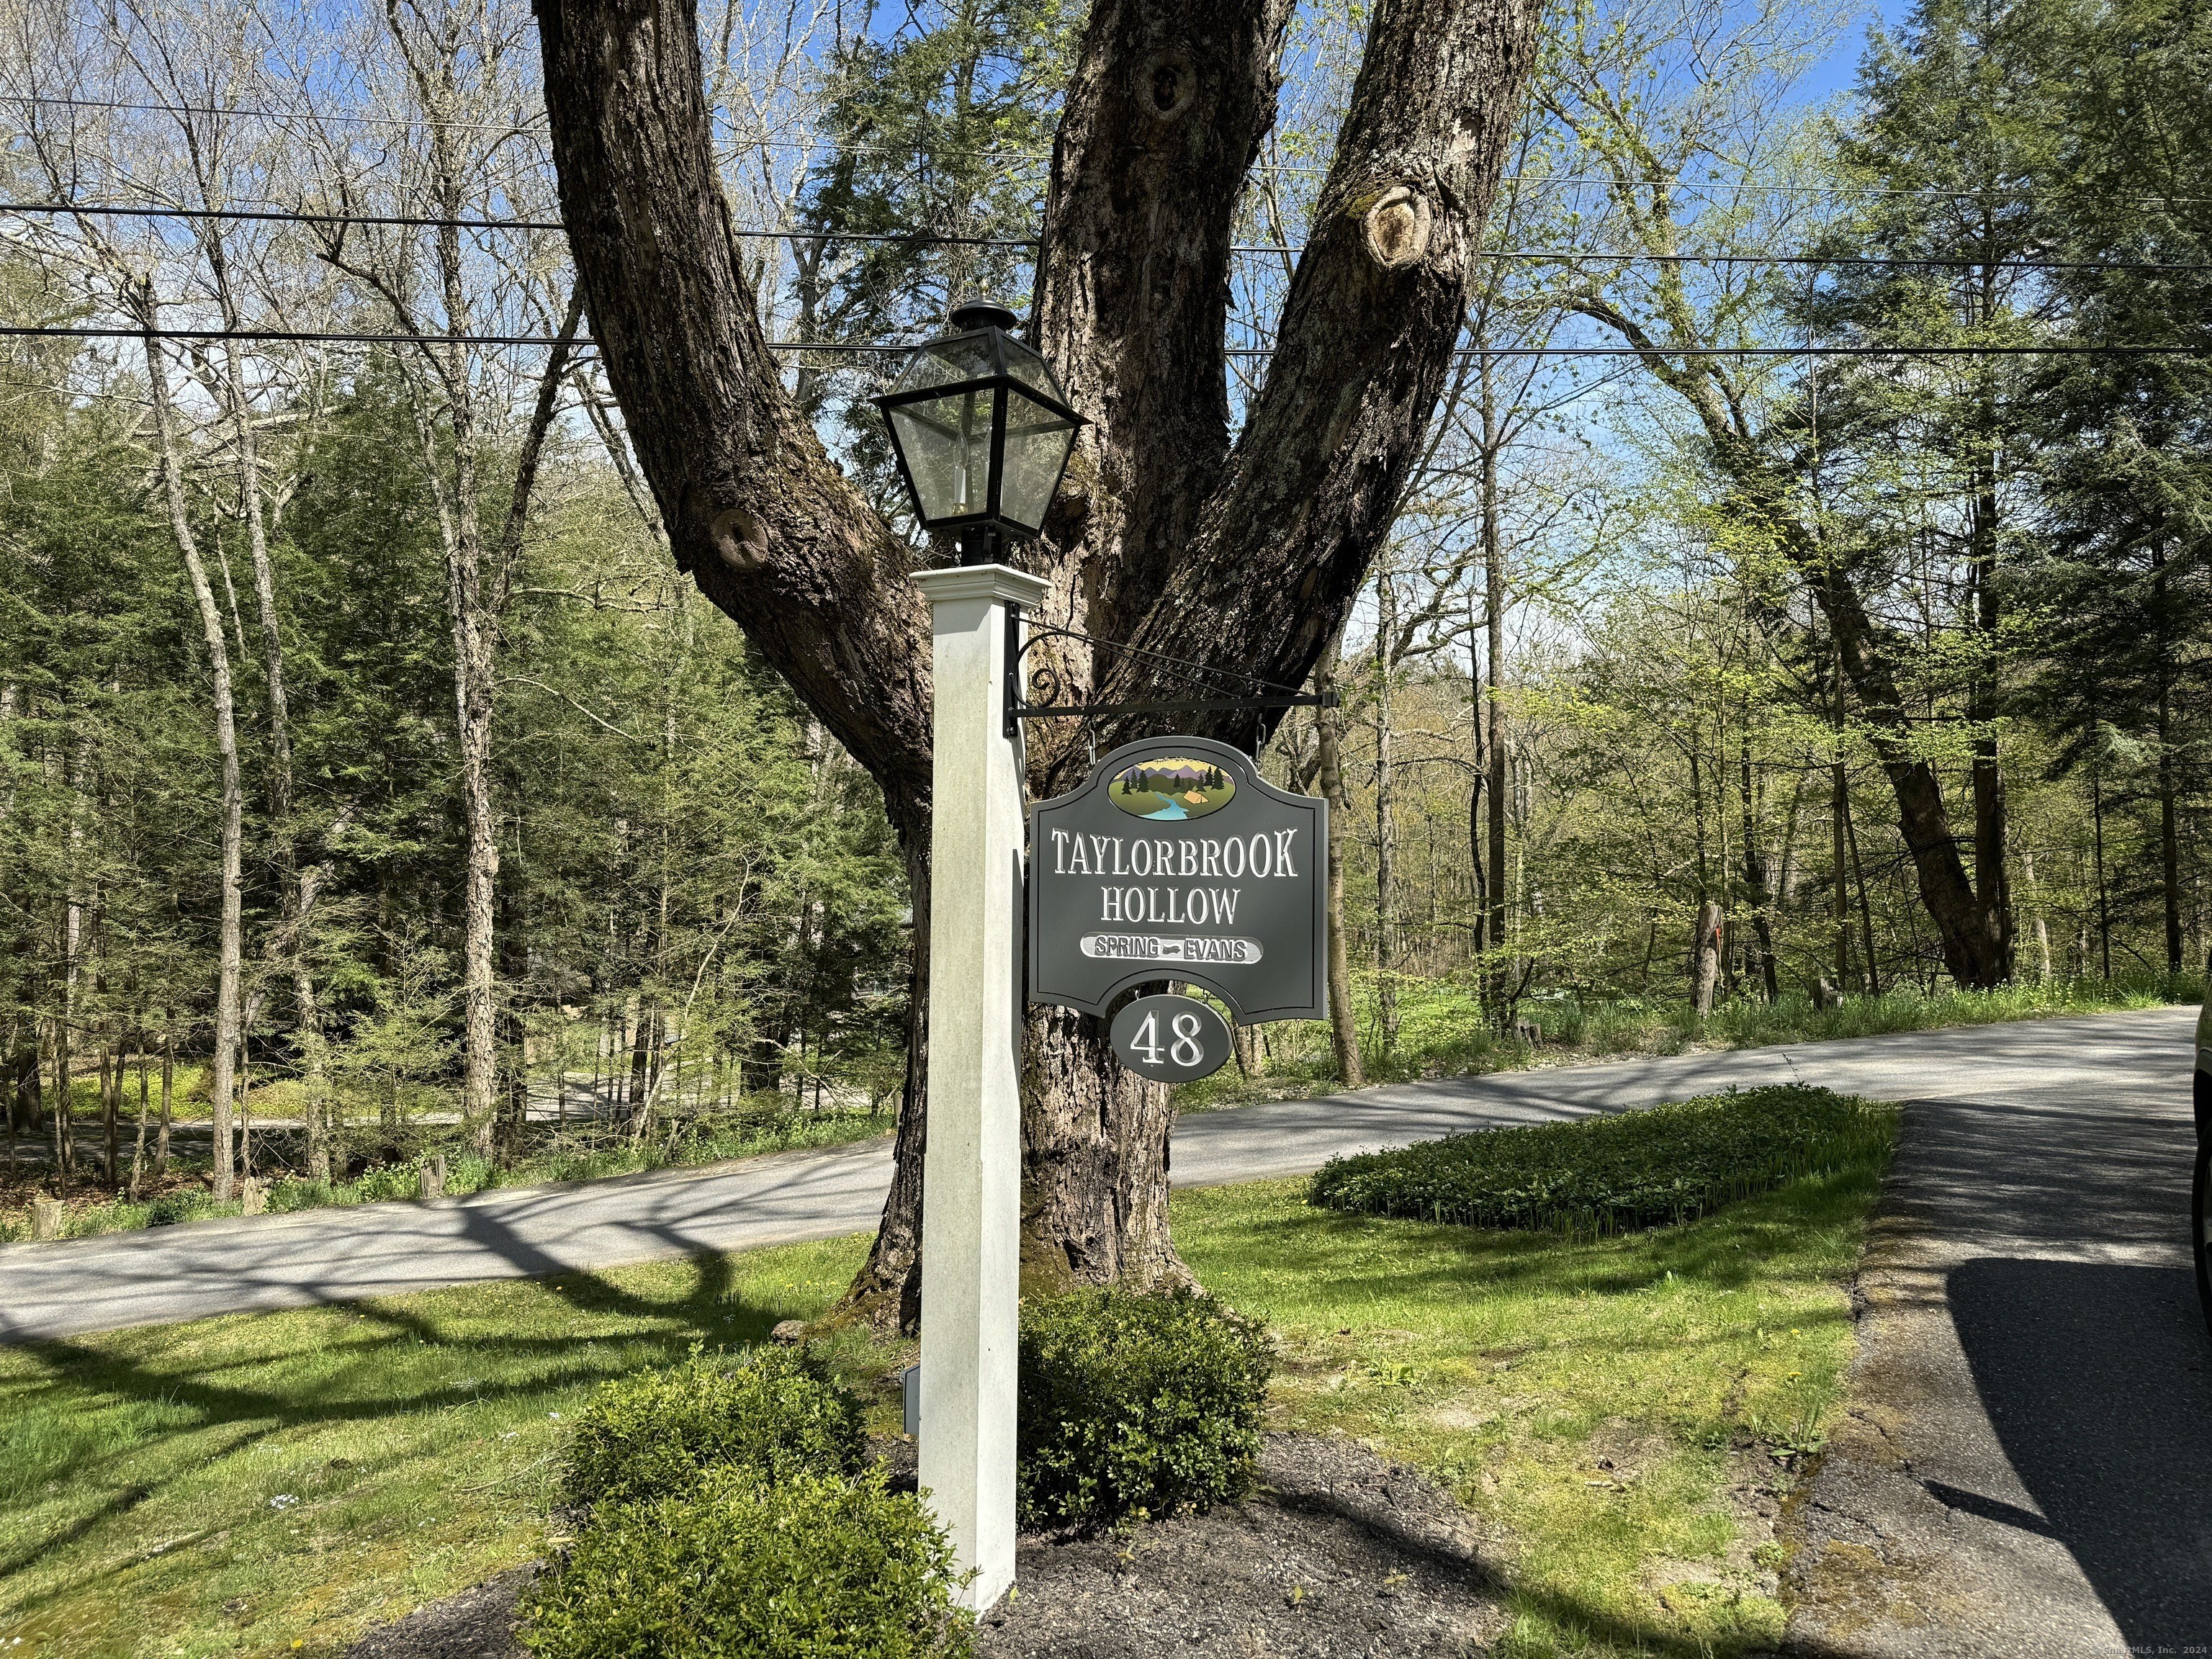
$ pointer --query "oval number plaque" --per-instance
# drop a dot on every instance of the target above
(1172, 1039)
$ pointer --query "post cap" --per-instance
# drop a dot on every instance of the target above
(983, 314)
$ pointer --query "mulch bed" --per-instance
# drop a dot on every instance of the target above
(1340, 1554)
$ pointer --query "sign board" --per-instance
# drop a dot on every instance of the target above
(1172, 1039)
(1176, 860)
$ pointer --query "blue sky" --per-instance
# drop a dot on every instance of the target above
(1836, 72)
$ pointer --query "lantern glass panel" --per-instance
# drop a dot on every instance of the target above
(942, 362)
(1031, 370)
(1037, 442)
(946, 445)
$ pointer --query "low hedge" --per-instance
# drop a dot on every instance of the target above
(1639, 1168)
(777, 1414)
(1133, 1404)
(806, 1567)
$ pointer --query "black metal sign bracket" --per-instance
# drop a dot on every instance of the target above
(1048, 682)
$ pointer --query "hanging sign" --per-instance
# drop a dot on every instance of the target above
(1172, 1039)
(1176, 860)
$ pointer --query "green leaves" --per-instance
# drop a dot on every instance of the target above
(750, 1568)
(656, 1434)
(1136, 1405)
(1646, 1168)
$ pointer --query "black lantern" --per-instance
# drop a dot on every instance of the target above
(982, 431)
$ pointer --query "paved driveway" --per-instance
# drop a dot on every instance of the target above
(184, 1273)
(2026, 1458)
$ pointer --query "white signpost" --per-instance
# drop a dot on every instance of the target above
(972, 1168)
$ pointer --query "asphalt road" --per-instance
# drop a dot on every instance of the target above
(2025, 1462)
(172, 1273)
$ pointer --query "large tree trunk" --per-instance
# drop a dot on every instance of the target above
(1167, 532)
(1705, 960)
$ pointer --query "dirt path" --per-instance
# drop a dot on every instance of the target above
(2026, 1465)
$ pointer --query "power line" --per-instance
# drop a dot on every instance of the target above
(877, 348)
(1559, 255)
(430, 221)
(534, 127)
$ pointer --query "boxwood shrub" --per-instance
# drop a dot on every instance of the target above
(1639, 1168)
(1136, 1403)
(776, 1413)
(744, 1567)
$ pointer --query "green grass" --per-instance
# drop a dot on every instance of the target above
(416, 1438)
(1605, 1173)
(1593, 1401)
(145, 1475)
(1444, 1032)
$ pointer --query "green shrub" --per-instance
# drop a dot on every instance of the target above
(1133, 1404)
(648, 1436)
(178, 1207)
(747, 1568)
(1639, 1168)
(293, 1195)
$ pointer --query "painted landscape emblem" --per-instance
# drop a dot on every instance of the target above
(1167, 787)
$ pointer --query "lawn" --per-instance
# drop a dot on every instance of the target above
(272, 1483)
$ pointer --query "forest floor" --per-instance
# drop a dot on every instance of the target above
(1623, 1419)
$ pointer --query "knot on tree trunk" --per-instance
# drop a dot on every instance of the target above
(740, 538)
(1166, 84)
(1396, 221)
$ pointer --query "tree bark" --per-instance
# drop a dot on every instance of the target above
(2169, 830)
(1386, 826)
(1705, 960)
(1166, 531)
(229, 958)
(1756, 881)
(1494, 596)
(1329, 744)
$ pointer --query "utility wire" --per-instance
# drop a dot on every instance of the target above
(1559, 255)
(534, 125)
(875, 347)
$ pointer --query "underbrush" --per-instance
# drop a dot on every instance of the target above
(1658, 1167)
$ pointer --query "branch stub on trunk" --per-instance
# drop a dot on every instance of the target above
(1397, 223)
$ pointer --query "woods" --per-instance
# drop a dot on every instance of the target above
(450, 697)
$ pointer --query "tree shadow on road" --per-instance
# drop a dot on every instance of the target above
(2098, 1381)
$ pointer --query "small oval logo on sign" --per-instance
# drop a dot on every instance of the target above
(1168, 786)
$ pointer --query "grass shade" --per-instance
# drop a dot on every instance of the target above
(1657, 1167)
